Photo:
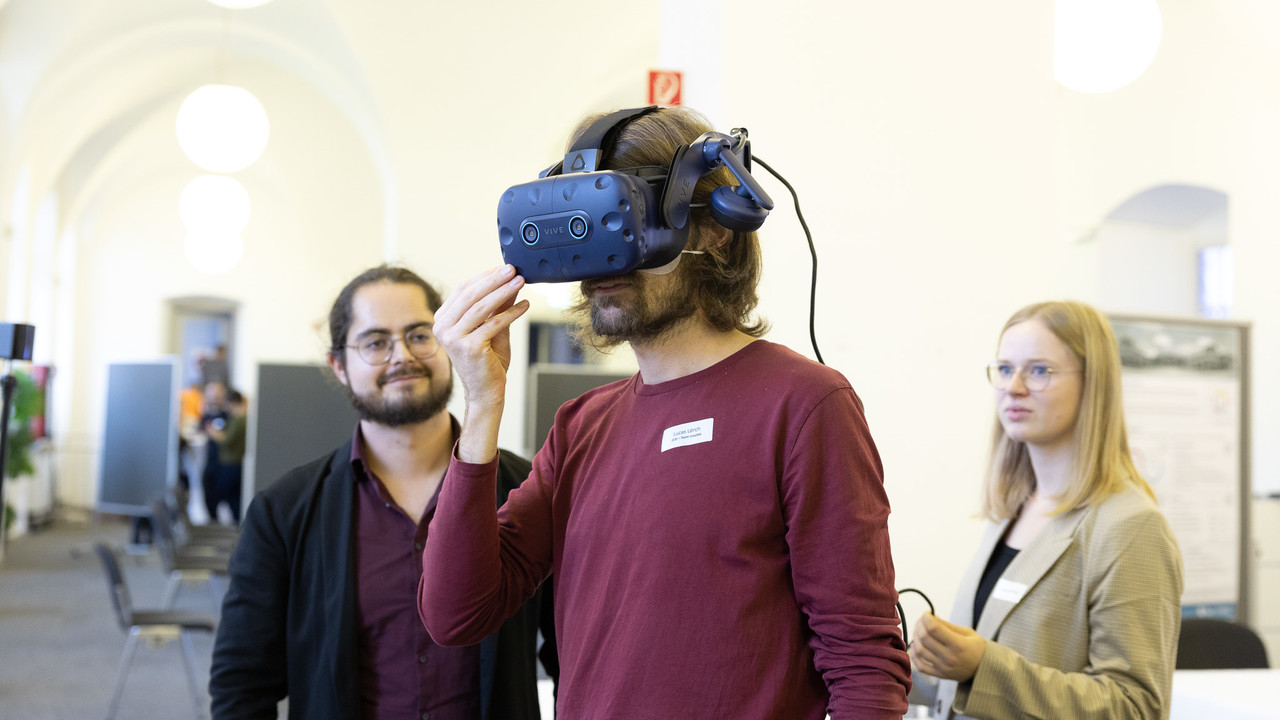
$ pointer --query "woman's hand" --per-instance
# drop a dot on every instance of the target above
(946, 650)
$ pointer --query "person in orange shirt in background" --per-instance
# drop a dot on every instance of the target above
(190, 408)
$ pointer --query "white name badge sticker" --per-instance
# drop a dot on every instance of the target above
(692, 433)
(1008, 590)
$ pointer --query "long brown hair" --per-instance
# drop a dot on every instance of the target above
(1102, 464)
(724, 280)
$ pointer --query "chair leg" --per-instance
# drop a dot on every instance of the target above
(215, 593)
(171, 590)
(189, 660)
(130, 646)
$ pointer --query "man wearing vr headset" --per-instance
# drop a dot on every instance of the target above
(716, 525)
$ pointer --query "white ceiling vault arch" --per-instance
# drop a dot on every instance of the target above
(78, 116)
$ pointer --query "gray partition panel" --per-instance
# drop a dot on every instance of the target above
(139, 458)
(553, 384)
(302, 413)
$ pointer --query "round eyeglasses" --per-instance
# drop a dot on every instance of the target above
(1035, 376)
(376, 348)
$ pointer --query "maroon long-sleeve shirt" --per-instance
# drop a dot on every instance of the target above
(719, 546)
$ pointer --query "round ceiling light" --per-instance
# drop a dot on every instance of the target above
(1103, 45)
(214, 202)
(222, 128)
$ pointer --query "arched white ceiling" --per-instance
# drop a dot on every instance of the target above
(76, 89)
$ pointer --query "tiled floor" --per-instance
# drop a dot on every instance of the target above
(60, 645)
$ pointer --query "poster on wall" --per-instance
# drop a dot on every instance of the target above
(1184, 395)
(41, 375)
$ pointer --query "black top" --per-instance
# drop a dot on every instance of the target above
(1000, 560)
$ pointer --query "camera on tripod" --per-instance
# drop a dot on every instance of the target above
(16, 341)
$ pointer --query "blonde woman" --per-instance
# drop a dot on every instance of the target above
(1071, 607)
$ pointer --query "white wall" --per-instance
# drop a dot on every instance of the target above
(924, 159)
(1146, 269)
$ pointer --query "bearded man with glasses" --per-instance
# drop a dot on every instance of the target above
(322, 607)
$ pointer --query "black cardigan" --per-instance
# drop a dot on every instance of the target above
(288, 625)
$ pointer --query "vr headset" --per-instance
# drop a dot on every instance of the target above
(577, 222)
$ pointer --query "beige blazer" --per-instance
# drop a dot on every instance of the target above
(1084, 621)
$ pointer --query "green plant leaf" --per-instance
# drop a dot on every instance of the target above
(28, 402)
(17, 461)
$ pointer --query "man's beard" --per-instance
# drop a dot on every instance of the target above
(397, 412)
(647, 314)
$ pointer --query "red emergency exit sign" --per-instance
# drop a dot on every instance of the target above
(665, 87)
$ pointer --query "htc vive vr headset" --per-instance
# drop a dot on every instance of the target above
(577, 222)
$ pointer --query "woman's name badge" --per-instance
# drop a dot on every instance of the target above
(1009, 591)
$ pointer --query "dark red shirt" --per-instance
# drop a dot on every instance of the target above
(402, 673)
(719, 544)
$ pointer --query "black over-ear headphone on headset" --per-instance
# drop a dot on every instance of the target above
(578, 222)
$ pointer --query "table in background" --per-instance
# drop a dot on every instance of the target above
(1226, 694)
(1197, 695)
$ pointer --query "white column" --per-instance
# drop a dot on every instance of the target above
(15, 308)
